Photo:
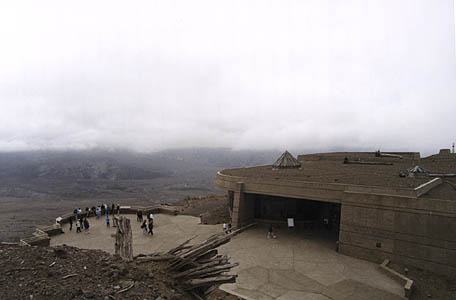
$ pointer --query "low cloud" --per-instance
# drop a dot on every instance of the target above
(316, 76)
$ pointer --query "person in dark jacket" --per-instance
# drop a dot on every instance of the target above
(86, 224)
(151, 227)
(71, 222)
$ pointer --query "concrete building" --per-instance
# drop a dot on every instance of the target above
(397, 205)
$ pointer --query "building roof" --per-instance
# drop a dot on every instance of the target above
(330, 168)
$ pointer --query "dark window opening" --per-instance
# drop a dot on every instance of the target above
(306, 213)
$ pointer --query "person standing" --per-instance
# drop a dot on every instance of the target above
(108, 224)
(144, 226)
(78, 226)
(86, 224)
(271, 233)
(71, 222)
(151, 227)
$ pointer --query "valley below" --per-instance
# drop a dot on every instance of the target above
(36, 187)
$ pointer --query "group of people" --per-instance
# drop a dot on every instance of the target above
(98, 211)
(227, 228)
(81, 218)
(147, 225)
(80, 223)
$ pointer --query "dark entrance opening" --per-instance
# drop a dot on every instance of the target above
(307, 214)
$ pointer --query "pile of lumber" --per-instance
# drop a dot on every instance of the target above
(199, 268)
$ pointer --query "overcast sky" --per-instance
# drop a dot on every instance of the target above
(148, 75)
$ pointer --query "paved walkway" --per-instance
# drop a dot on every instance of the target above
(300, 265)
(296, 265)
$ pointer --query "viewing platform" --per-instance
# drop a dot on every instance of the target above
(295, 265)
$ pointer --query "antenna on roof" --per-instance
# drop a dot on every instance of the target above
(453, 143)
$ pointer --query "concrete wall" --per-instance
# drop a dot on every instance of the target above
(412, 231)
(328, 192)
(290, 189)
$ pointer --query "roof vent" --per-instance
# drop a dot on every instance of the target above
(417, 170)
(286, 161)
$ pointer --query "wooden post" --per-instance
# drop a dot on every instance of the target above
(124, 238)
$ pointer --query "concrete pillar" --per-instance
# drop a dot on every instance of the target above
(237, 203)
(230, 198)
(242, 207)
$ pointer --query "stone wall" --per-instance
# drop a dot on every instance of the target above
(413, 231)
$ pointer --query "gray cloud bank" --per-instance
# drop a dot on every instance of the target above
(312, 75)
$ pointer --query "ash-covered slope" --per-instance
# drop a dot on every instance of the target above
(76, 165)
(118, 174)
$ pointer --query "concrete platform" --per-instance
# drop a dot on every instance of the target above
(169, 231)
(296, 265)
(302, 265)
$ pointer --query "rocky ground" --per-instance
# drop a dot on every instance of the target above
(72, 273)
(212, 209)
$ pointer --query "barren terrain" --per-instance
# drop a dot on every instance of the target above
(36, 187)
